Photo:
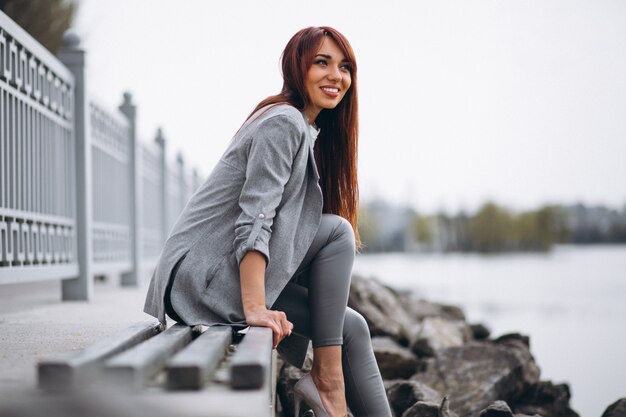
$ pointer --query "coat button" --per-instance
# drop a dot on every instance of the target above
(261, 216)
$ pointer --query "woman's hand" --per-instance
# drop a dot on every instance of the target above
(252, 276)
(275, 320)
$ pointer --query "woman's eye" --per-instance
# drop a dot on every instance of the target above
(321, 61)
(346, 68)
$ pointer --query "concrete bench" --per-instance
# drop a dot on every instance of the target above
(211, 367)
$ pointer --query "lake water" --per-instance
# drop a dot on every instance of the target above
(571, 302)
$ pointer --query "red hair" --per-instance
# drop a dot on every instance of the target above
(337, 143)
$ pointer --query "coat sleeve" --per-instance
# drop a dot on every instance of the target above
(270, 159)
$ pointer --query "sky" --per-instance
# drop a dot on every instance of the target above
(461, 101)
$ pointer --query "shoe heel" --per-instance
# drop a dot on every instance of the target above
(305, 390)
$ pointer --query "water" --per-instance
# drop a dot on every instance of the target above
(571, 302)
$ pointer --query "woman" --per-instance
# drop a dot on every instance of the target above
(269, 239)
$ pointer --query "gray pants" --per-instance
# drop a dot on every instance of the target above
(315, 301)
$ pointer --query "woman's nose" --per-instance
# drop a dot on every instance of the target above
(334, 74)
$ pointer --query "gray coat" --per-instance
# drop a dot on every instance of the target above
(263, 194)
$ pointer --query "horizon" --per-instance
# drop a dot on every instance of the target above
(512, 209)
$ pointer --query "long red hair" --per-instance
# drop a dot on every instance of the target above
(337, 143)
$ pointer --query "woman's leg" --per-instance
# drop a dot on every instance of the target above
(320, 313)
(364, 388)
(327, 275)
(365, 391)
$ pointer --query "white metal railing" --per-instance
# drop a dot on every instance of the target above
(37, 204)
(79, 194)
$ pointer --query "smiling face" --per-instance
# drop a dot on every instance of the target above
(328, 78)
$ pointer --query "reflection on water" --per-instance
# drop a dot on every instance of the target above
(571, 301)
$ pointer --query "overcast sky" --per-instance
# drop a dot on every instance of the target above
(521, 102)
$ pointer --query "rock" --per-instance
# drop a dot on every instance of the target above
(513, 336)
(429, 409)
(547, 400)
(478, 373)
(617, 409)
(394, 361)
(379, 305)
(480, 331)
(444, 409)
(497, 409)
(403, 394)
(501, 409)
(519, 345)
(436, 333)
(419, 309)
(422, 409)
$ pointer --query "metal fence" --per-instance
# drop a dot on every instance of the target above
(80, 195)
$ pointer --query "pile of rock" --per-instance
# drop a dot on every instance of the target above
(435, 364)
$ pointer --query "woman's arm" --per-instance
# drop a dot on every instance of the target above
(268, 168)
(272, 150)
(252, 278)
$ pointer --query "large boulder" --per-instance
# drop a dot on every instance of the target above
(422, 409)
(429, 409)
(394, 361)
(419, 309)
(547, 400)
(379, 305)
(436, 333)
(403, 394)
(480, 331)
(478, 373)
(502, 409)
(617, 409)
(497, 409)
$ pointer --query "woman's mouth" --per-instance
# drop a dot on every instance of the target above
(330, 91)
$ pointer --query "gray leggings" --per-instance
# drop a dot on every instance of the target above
(315, 301)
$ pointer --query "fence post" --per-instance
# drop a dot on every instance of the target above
(160, 141)
(182, 186)
(130, 111)
(73, 57)
(196, 181)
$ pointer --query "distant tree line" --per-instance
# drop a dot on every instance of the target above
(493, 228)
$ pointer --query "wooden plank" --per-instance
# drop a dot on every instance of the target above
(251, 363)
(76, 369)
(132, 368)
(190, 368)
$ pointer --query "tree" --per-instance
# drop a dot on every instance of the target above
(44, 20)
(423, 229)
(490, 229)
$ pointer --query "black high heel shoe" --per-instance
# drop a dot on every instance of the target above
(305, 390)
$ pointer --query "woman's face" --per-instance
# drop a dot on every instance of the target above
(328, 78)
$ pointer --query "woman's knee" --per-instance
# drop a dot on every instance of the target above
(343, 233)
(355, 327)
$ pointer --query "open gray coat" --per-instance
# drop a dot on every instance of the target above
(263, 194)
